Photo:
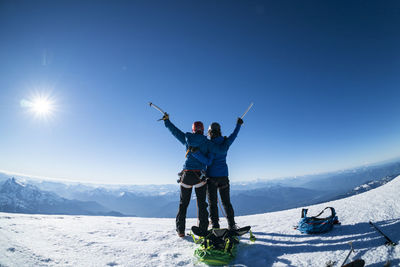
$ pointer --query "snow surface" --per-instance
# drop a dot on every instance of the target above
(51, 240)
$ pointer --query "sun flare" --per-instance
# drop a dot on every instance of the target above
(42, 106)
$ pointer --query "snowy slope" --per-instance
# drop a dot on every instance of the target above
(46, 240)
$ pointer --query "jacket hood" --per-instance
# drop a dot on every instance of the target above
(195, 140)
(218, 140)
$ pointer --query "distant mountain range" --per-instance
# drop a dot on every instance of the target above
(50, 197)
(24, 198)
(366, 187)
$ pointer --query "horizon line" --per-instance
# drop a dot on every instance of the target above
(93, 183)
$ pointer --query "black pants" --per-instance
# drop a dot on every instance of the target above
(220, 184)
(186, 193)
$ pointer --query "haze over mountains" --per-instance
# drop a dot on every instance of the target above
(27, 195)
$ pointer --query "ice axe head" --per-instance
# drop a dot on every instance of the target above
(156, 107)
(165, 117)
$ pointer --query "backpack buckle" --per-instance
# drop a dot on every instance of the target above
(203, 176)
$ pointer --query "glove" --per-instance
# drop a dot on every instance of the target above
(239, 121)
(165, 117)
(193, 149)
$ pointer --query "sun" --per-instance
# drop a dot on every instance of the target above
(41, 106)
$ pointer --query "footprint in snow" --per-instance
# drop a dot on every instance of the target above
(11, 249)
(183, 263)
(167, 257)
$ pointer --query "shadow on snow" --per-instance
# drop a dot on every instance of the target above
(362, 235)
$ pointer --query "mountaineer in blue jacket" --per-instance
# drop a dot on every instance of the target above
(193, 173)
(217, 173)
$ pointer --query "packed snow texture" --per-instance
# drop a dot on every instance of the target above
(51, 240)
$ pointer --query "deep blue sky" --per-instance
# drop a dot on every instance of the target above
(323, 76)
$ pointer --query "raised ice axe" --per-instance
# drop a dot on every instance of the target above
(247, 110)
(158, 108)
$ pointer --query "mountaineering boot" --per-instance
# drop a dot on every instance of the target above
(233, 227)
(199, 231)
(215, 226)
(181, 234)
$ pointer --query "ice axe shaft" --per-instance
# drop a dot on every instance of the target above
(156, 107)
(247, 110)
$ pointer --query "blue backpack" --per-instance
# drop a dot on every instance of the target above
(315, 225)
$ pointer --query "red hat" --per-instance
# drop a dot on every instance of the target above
(198, 127)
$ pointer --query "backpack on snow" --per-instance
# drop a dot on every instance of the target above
(315, 225)
(218, 246)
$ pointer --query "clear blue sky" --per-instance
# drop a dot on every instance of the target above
(323, 76)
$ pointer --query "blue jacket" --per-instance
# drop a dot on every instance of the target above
(216, 163)
(204, 145)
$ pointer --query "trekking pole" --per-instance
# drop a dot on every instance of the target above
(389, 241)
(247, 110)
(157, 108)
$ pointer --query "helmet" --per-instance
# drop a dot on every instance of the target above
(198, 127)
(214, 130)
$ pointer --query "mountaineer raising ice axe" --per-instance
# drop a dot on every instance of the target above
(193, 173)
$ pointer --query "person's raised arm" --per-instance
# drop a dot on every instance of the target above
(235, 132)
(173, 129)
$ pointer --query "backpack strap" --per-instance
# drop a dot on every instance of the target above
(228, 245)
(304, 213)
(333, 213)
